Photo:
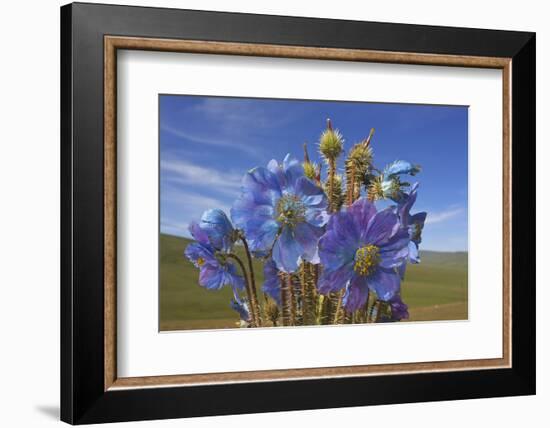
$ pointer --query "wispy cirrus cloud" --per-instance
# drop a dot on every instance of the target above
(222, 141)
(186, 173)
(441, 216)
(239, 114)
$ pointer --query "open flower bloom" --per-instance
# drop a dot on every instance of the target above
(272, 283)
(282, 211)
(216, 270)
(361, 250)
(413, 223)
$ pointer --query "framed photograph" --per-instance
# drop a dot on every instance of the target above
(273, 213)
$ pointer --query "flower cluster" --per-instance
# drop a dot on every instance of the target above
(330, 255)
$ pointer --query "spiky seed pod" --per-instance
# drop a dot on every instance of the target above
(272, 311)
(318, 174)
(361, 156)
(331, 144)
(375, 190)
(310, 170)
(357, 166)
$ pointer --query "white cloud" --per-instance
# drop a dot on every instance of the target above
(222, 141)
(246, 114)
(187, 173)
(439, 217)
(179, 208)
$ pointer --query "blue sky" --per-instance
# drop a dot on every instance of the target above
(208, 143)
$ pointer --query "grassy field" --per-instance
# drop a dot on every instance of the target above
(437, 289)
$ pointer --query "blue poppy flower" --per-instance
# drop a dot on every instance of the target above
(361, 250)
(241, 308)
(400, 167)
(218, 228)
(391, 185)
(216, 270)
(272, 282)
(413, 223)
(283, 212)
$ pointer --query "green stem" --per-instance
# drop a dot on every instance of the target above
(247, 286)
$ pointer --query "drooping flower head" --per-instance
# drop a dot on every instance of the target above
(413, 223)
(389, 184)
(218, 228)
(398, 310)
(216, 269)
(282, 211)
(361, 250)
(241, 308)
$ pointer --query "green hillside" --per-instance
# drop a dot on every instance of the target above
(437, 289)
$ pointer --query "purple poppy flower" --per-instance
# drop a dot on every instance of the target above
(272, 283)
(413, 223)
(360, 251)
(216, 270)
(282, 211)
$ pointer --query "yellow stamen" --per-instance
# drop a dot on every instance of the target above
(367, 258)
(200, 261)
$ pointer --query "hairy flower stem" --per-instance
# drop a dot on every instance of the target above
(324, 315)
(285, 304)
(292, 298)
(349, 318)
(287, 299)
(351, 185)
(308, 293)
(254, 320)
(255, 307)
(331, 185)
(339, 313)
